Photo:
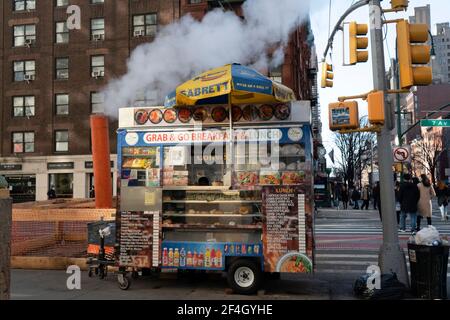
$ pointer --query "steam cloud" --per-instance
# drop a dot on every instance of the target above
(188, 47)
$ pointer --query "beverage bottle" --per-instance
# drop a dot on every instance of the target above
(238, 249)
(195, 259)
(213, 258)
(176, 258)
(250, 250)
(256, 249)
(207, 258)
(165, 257)
(170, 257)
(182, 258)
(244, 249)
(200, 260)
(219, 259)
(189, 259)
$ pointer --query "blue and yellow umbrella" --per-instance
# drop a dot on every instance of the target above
(230, 84)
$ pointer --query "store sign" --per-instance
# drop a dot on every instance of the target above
(60, 165)
(212, 136)
(10, 167)
(90, 164)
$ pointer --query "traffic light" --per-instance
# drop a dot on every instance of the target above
(410, 53)
(376, 107)
(399, 4)
(343, 115)
(327, 75)
(358, 40)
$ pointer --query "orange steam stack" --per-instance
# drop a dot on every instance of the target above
(101, 158)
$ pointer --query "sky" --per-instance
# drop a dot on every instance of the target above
(353, 80)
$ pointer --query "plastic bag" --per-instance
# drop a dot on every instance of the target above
(391, 288)
(426, 236)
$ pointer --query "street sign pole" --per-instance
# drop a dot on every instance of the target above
(391, 257)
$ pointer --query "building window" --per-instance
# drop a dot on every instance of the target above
(21, 5)
(145, 25)
(275, 74)
(61, 141)
(24, 35)
(62, 68)
(23, 142)
(97, 66)
(24, 70)
(97, 100)
(194, 1)
(97, 1)
(62, 104)
(97, 29)
(62, 3)
(62, 32)
(24, 106)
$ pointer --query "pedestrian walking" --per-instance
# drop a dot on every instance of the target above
(408, 196)
(344, 196)
(51, 194)
(366, 198)
(376, 195)
(397, 201)
(443, 195)
(355, 198)
(337, 195)
(426, 194)
(377, 198)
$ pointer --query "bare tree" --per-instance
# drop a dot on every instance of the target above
(427, 152)
(353, 147)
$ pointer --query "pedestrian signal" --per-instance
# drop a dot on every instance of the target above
(343, 115)
(376, 107)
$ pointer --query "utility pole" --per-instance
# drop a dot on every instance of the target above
(391, 257)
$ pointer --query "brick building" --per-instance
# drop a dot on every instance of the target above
(51, 78)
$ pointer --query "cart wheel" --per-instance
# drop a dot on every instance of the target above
(124, 282)
(244, 276)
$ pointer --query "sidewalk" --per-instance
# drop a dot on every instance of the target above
(51, 285)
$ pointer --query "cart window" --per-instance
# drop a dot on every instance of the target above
(141, 167)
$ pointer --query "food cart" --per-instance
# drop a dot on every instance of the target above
(216, 188)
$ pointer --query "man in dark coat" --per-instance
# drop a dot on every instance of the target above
(408, 196)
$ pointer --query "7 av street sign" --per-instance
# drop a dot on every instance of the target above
(435, 123)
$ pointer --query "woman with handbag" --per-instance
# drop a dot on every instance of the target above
(442, 194)
(424, 206)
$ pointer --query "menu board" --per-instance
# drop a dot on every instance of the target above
(285, 233)
(139, 239)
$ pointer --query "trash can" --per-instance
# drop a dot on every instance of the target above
(428, 265)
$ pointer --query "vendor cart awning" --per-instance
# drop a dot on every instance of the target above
(242, 84)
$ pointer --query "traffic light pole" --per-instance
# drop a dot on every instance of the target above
(391, 257)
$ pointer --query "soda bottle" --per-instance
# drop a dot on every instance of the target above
(238, 249)
(170, 257)
(219, 259)
(208, 258)
(182, 258)
(256, 249)
(213, 258)
(189, 259)
(244, 249)
(195, 259)
(200, 260)
(176, 258)
(250, 250)
(165, 257)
